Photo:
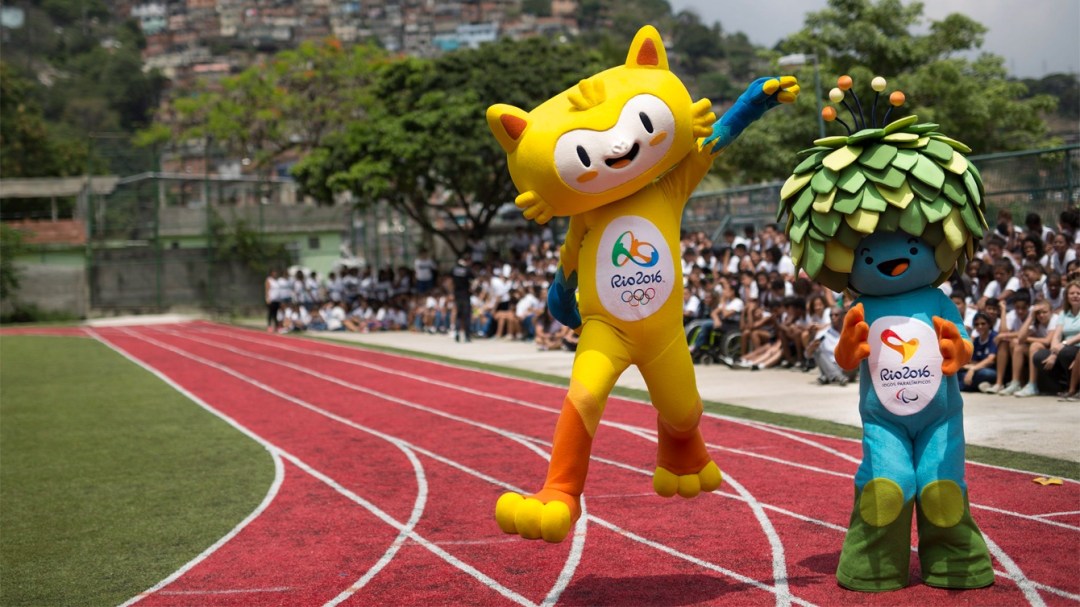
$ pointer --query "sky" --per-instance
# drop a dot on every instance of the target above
(1036, 37)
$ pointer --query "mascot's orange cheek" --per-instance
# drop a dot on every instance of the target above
(586, 177)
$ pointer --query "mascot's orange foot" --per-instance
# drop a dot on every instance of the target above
(667, 483)
(548, 515)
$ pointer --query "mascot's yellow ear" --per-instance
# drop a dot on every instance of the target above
(647, 50)
(508, 124)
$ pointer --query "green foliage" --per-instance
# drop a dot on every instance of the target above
(424, 145)
(100, 500)
(29, 145)
(292, 102)
(1065, 87)
(975, 100)
(972, 99)
(248, 245)
(79, 72)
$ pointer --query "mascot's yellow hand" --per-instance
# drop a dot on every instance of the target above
(534, 208)
(788, 87)
(703, 118)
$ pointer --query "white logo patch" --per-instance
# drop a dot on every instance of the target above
(635, 274)
(905, 363)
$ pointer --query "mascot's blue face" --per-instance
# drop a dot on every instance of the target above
(887, 263)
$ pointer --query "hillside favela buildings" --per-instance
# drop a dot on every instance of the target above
(188, 39)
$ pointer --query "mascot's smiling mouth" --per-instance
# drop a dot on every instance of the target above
(894, 267)
(624, 160)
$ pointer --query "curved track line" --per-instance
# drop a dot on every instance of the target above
(779, 564)
(407, 532)
(779, 561)
(275, 486)
(783, 595)
(475, 392)
(1026, 585)
(352, 345)
(539, 407)
(1015, 572)
(418, 470)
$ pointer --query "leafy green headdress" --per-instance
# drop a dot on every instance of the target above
(899, 176)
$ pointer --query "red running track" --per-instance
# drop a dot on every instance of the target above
(389, 468)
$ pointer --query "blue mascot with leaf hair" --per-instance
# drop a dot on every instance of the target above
(887, 212)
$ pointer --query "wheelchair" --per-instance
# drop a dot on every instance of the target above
(721, 345)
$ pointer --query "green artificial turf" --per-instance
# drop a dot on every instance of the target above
(110, 480)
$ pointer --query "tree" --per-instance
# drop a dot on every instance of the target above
(290, 103)
(973, 100)
(424, 146)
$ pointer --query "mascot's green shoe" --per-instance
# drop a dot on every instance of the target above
(952, 551)
(877, 548)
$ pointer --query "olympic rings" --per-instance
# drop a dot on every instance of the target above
(638, 297)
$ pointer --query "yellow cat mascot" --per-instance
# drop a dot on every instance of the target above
(619, 154)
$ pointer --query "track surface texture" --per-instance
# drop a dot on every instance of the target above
(388, 469)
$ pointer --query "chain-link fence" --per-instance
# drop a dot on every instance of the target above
(179, 240)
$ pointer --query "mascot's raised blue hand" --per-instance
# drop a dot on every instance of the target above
(759, 97)
(562, 300)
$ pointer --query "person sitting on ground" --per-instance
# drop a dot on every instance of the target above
(1060, 254)
(526, 311)
(790, 331)
(769, 350)
(966, 312)
(822, 348)
(549, 332)
(1005, 283)
(980, 369)
(1008, 333)
(1050, 368)
(507, 323)
(1034, 335)
(1053, 292)
(818, 318)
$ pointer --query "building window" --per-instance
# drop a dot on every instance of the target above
(313, 242)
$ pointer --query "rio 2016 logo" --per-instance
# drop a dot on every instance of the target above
(906, 349)
(628, 248)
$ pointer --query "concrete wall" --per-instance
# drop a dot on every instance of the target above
(54, 288)
(132, 279)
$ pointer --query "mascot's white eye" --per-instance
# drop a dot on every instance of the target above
(595, 161)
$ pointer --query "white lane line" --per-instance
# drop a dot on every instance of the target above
(782, 592)
(275, 486)
(1015, 572)
(475, 392)
(539, 407)
(1066, 513)
(776, 546)
(841, 529)
(388, 555)
(779, 564)
(577, 543)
